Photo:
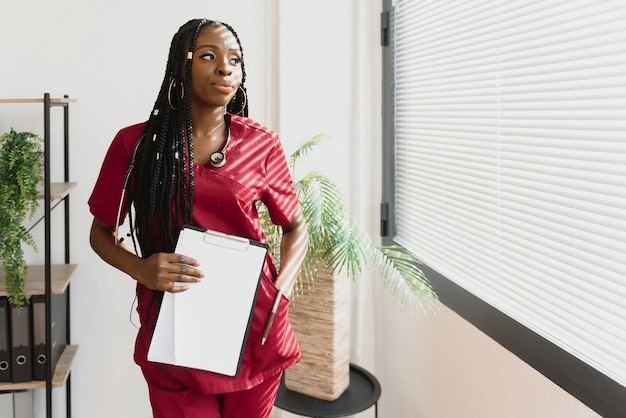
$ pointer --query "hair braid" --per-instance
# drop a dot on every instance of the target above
(239, 104)
(188, 172)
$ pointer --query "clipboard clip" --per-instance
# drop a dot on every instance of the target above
(225, 240)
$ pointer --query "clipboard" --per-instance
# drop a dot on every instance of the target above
(207, 326)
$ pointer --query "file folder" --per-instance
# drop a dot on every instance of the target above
(21, 343)
(5, 341)
(58, 332)
(207, 326)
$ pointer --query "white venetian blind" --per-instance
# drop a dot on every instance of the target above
(510, 160)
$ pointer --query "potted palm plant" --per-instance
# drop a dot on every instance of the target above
(21, 157)
(338, 247)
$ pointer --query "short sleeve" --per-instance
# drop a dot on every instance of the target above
(107, 192)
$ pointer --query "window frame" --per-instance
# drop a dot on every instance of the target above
(590, 386)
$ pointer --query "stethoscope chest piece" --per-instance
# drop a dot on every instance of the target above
(218, 158)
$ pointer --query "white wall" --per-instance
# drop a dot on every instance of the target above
(321, 75)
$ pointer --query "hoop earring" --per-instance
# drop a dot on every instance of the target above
(169, 93)
(245, 101)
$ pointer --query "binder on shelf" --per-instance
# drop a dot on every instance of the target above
(221, 305)
(57, 332)
(21, 343)
(23, 406)
(5, 341)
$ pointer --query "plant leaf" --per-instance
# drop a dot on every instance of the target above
(404, 279)
(21, 159)
(305, 149)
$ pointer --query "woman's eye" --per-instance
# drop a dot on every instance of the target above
(208, 56)
(235, 60)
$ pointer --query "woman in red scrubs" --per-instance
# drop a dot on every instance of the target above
(199, 160)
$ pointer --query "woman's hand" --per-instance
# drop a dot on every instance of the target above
(163, 271)
(160, 271)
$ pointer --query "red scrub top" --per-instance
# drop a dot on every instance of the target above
(224, 200)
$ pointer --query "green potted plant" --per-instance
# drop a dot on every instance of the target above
(21, 162)
(338, 246)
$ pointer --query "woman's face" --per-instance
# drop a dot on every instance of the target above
(216, 71)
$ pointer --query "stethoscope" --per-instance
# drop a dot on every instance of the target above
(131, 166)
(217, 159)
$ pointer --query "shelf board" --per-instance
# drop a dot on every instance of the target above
(39, 100)
(35, 281)
(64, 366)
(57, 190)
(61, 373)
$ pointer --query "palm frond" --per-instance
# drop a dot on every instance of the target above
(353, 250)
(403, 278)
(305, 149)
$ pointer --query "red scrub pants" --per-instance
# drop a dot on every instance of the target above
(171, 399)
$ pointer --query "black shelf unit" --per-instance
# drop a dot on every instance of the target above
(49, 279)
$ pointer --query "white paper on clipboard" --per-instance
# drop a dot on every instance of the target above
(207, 326)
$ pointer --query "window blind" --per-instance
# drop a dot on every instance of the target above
(509, 125)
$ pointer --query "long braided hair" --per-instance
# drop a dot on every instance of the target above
(163, 187)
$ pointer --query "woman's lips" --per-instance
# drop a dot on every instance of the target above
(223, 87)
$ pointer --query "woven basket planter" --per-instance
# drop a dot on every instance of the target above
(320, 317)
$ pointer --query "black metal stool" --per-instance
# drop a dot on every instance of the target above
(363, 392)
